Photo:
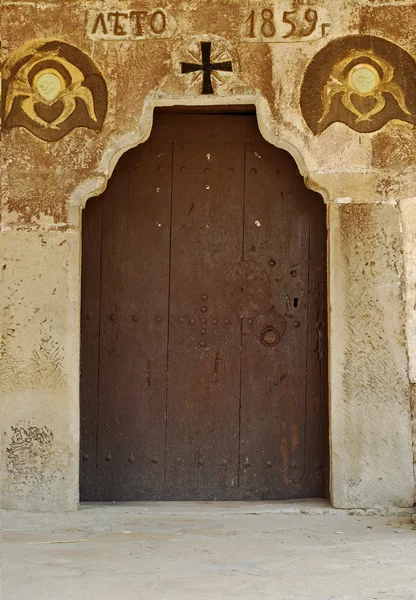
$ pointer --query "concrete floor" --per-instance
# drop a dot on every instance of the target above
(207, 551)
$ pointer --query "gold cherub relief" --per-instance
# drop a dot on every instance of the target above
(53, 89)
(363, 89)
(48, 87)
(365, 80)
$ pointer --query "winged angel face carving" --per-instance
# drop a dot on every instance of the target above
(49, 94)
(364, 80)
(47, 88)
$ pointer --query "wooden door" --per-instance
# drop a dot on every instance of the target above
(204, 353)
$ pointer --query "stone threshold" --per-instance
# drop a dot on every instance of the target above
(314, 506)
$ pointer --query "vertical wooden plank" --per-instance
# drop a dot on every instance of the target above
(134, 323)
(90, 326)
(274, 374)
(317, 422)
(204, 340)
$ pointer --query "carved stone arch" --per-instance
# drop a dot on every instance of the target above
(95, 185)
(251, 288)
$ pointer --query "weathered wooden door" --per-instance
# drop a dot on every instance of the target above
(204, 360)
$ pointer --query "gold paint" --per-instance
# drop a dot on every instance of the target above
(45, 94)
(364, 80)
(49, 83)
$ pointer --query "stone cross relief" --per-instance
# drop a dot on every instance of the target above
(206, 68)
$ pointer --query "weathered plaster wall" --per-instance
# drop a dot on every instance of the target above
(413, 413)
(368, 180)
(40, 419)
(370, 387)
(408, 219)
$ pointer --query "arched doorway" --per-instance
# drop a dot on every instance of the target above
(204, 321)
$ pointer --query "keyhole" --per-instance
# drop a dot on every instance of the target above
(295, 303)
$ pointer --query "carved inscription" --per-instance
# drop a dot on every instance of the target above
(137, 24)
(300, 22)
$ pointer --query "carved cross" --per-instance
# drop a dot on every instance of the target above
(207, 67)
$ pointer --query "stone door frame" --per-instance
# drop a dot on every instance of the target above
(388, 480)
(314, 346)
(371, 462)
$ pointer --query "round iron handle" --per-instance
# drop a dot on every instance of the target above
(269, 336)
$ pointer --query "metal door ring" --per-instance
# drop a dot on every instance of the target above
(269, 336)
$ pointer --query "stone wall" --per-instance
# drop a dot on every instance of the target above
(369, 353)
(80, 82)
(408, 219)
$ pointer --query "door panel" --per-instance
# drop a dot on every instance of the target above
(204, 358)
(274, 342)
(204, 340)
(134, 319)
(316, 417)
(90, 344)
